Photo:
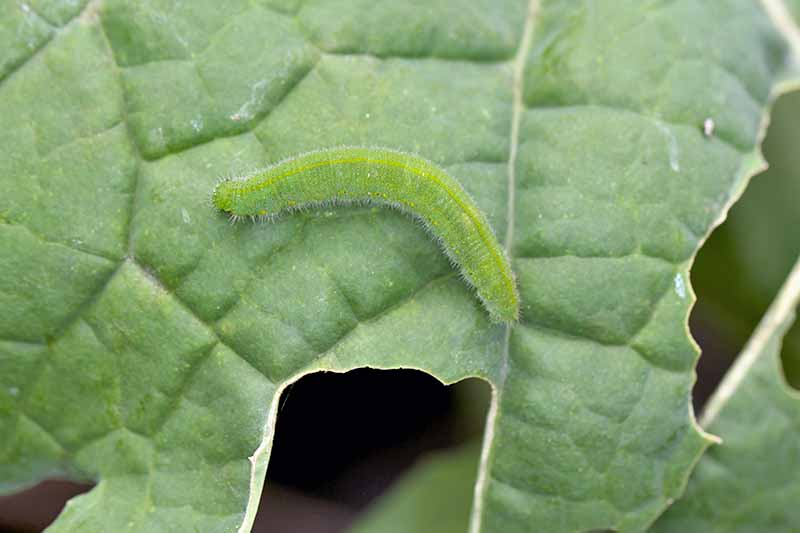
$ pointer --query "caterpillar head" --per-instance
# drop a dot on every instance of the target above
(224, 195)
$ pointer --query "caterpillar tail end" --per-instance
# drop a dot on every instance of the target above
(508, 313)
(508, 318)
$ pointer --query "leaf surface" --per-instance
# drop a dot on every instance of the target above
(146, 341)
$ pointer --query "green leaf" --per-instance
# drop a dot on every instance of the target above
(146, 341)
(434, 496)
(749, 482)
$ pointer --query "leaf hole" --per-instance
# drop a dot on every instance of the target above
(342, 440)
(35, 508)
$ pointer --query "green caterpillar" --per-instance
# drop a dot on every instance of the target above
(355, 175)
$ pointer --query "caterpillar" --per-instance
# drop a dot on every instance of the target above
(360, 175)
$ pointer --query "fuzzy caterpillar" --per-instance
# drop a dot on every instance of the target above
(354, 175)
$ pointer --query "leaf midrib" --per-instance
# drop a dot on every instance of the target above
(516, 116)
